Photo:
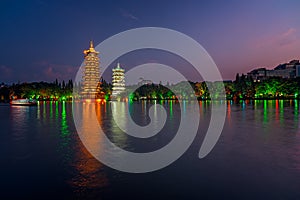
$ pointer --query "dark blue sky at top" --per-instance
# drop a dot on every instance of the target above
(44, 40)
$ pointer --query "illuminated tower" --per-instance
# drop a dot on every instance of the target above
(118, 81)
(91, 73)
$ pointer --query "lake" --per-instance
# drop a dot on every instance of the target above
(256, 157)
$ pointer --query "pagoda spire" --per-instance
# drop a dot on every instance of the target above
(91, 49)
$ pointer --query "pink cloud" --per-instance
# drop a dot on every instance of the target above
(271, 50)
(52, 71)
(284, 39)
(289, 32)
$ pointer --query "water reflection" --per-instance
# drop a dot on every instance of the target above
(281, 117)
(44, 110)
(269, 123)
(21, 140)
(51, 109)
(65, 139)
(265, 112)
(229, 103)
(296, 110)
(116, 135)
(260, 143)
(56, 109)
(171, 109)
(85, 172)
(89, 173)
(64, 123)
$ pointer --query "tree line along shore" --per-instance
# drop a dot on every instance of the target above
(241, 88)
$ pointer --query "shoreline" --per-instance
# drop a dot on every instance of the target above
(202, 100)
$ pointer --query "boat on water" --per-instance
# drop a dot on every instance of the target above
(23, 102)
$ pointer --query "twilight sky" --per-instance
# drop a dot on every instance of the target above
(44, 40)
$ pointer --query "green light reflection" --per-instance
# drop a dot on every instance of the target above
(38, 110)
(56, 110)
(296, 111)
(171, 108)
(51, 110)
(281, 110)
(265, 112)
(44, 110)
(64, 124)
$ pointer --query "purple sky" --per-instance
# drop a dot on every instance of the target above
(44, 40)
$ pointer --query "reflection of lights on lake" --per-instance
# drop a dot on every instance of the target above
(51, 109)
(281, 111)
(184, 106)
(229, 111)
(277, 110)
(21, 140)
(87, 176)
(296, 112)
(38, 113)
(44, 109)
(265, 111)
(64, 124)
(243, 105)
(171, 108)
(56, 109)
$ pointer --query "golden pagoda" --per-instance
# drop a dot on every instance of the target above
(91, 73)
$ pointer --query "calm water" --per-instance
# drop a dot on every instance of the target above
(257, 156)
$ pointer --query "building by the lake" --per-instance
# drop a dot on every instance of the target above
(286, 70)
(91, 73)
(118, 81)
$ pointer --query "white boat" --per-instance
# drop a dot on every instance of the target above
(24, 102)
